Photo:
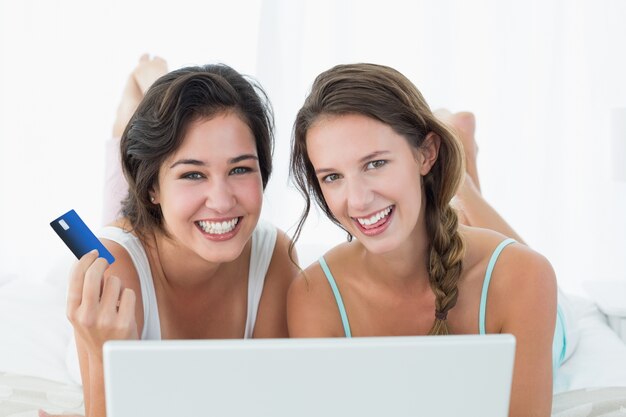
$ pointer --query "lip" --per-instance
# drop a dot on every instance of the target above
(222, 236)
(380, 228)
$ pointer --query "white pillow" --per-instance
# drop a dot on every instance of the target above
(34, 331)
(600, 356)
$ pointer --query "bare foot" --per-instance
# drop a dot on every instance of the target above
(464, 124)
(467, 192)
(147, 71)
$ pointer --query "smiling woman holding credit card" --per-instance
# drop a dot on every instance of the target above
(192, 259)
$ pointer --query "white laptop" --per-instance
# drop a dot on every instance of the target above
(445, 376)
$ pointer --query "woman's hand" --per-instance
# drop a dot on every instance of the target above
(97, 306)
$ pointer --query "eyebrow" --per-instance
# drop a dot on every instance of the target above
(197, 162)
(367, 157)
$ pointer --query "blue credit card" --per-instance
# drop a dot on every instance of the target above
(77, 236)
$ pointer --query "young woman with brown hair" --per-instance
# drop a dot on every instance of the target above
(370, 152)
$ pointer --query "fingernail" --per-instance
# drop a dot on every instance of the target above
(43, 414)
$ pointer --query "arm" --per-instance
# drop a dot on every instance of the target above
(526, 300)
(311, 307)
(272, 314)
(94, 291)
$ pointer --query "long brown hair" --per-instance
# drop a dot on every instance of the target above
(386, 95)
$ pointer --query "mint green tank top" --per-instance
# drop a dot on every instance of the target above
(559, 343)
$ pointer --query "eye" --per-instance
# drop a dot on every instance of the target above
(330, 178)
(240, 170)
(192, 176)
(376, 164)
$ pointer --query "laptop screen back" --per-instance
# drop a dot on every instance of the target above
(447, 376)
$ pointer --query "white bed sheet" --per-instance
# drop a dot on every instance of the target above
(34, 332)
(599, 359)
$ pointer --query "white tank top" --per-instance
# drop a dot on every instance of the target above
(263, 241)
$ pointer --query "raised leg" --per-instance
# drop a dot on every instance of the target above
(474, 210)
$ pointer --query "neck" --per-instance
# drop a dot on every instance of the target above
(404, 265)
(178, 267)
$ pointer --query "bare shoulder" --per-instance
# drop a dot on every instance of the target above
(123, 267)
(522, 301)
(526, 283)
(311, 307)
(309, 284)
(281, 266)
(522, 279)
(281, 270)
(313, 281)
(515, 261)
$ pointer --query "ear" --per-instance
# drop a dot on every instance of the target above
(154, 195)
(428, 152)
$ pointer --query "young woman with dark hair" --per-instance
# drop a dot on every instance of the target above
(193, 260)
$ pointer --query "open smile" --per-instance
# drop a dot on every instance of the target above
(219, 230)
(376, 223)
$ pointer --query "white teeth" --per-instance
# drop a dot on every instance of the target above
(218, 228)
(375, 218)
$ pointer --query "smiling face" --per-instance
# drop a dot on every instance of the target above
(370, 178)
(210, 190)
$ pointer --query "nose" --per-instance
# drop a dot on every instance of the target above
(360, 195)
(220, 197)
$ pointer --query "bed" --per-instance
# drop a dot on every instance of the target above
(35, 343)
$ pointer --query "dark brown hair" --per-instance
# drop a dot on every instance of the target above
(386, 95)
(159, 125)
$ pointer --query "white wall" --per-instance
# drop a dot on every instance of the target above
(541, 76)
(63, 67)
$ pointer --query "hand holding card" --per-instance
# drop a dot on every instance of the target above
(78, 237)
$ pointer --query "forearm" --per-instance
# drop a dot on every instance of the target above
(95, 399)
(83, 363)
(92, 375)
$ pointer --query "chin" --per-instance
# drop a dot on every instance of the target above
(381, 247)
(223, 251)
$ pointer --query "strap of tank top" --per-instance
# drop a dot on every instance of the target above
(151, 321)
(338, 299)
(483, 295)
(263, 243)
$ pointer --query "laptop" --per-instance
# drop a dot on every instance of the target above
(445, 376)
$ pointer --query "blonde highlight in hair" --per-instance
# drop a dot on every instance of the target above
(384, 94)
